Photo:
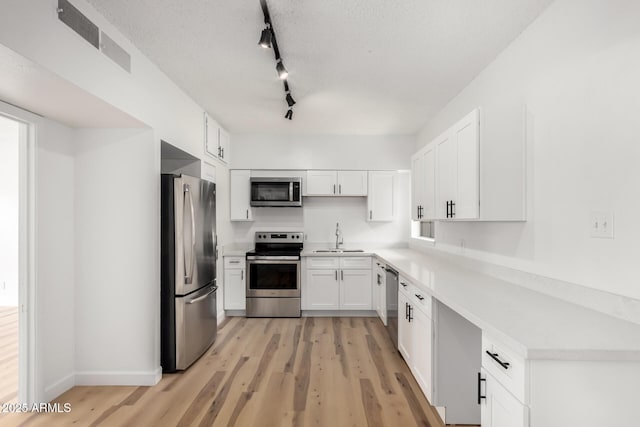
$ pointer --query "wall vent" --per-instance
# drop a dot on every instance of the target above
(114, 51)
(79, 23)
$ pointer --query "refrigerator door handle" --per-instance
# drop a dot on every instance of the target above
(195, 300)
(188, 277)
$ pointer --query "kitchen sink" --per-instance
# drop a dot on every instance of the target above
(337, 251)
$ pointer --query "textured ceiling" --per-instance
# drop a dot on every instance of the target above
(356, 66)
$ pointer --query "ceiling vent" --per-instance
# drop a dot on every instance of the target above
(89, 31)
(79, 23)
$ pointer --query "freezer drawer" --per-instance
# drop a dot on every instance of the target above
(196, 325)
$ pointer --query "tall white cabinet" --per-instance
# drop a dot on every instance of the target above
(240, 195)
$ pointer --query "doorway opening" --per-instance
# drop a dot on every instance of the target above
(9, 258)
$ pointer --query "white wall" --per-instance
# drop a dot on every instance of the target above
(372, 152)
(576, 68)
(117, 256)
(9, 162)
(55, 257)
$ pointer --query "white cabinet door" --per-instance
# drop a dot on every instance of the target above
(458, 170)
(417, 185)
(321, 183)
(234, 289)
(208, 172)
(240, 195)
(428, 211)
(224, 145)
(404, 329)
(380, 196)
(465, 134)
(421, 351)
(500, 408)
(447, 174)
(352, 183)
(355, 289)
(321, 290)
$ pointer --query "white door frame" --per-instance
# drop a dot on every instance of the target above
(28, 375)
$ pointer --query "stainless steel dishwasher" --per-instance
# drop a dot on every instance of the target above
(392, 304)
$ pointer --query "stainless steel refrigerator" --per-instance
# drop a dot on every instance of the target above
(188, 273)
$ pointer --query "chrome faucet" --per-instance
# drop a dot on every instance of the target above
(339, 240)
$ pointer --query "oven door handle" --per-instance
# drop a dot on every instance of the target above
(274, 259)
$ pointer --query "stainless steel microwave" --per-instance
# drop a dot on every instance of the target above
(276, 192)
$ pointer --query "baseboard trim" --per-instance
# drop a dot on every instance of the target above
(221, 316)
(339, 313)
(59, 387)
(135, 378)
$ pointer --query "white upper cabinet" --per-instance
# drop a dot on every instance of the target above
(380, 196)
(423, 184)
(336, 183)
(457, 157)
(471, 159)
(322, 183)
(352, 183)
(240, 195)
(217, 142)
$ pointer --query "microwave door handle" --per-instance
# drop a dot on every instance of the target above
(291, 191)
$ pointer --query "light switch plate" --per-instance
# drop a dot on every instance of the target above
(601, 225)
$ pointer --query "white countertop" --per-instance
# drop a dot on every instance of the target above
(536, 325)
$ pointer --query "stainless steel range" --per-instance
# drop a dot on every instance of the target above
(273, 275)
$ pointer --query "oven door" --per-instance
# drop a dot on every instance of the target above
(273, 277)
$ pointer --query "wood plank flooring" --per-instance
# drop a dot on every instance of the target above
(266, 372)
(8, 354)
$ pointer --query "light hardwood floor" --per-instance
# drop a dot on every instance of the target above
(266, 372)
(8, 354)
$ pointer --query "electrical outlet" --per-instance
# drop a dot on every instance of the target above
(601, 225)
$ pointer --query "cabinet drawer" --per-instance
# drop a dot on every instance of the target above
(504, 365)
(355, 262)
(421, 299)
(234, 262)
(323, 262)
(405, 287)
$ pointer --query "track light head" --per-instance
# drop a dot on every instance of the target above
(290, 101)
(265, 38)
(289, 114)
(282, 72)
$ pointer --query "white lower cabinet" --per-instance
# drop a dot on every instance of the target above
(234, 283)
(415, 334)
(337, 283)
(321, 290)
(499, 407)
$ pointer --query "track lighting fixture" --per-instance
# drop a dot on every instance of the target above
(290, 101)
(268, 40)
(265, 38)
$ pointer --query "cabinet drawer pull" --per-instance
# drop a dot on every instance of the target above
(420, 297)
(410, 313)
(406, 311)
(241, 274)
(494, 356)
(480, 380)
(336, 275)
(404, 285)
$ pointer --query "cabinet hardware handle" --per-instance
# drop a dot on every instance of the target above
(241, 274)
(341, 274)
(340, 188)
(453, 209)
(410, 313)
(334, 189)
(247, 213)
(418, 212)
(448, 209)
(370, 214)
(404, 285)
(480, 380)
(406, 311)
(420, 297)
(336, 275)
(494, 356)
(234, 262)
